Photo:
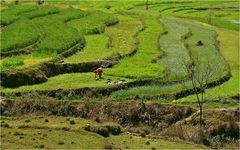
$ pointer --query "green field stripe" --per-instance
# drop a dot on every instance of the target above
(69, 81)
(123, 36)
(230, 50)
(175, 53)
(140, 65)
(13, 13)
(18, 35)
(94, 23)
(209, 52)
(58, 37)
(96, 49)
(117, 39)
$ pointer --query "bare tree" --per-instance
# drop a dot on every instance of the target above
(200, 75)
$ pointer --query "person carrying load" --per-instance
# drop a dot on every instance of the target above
(98, 72)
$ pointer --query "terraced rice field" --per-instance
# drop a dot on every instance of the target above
(50, 51)
(143, 47)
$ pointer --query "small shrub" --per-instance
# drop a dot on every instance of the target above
(46, 120)
(147, 143)
(27, 121)
(72, 122)
(108, 146)
(153, 148)
(23, 126)
(65, 129)
(17, 133)
(41, 146)
(87, 127)
(108, 6)
(102, 131)
(143, 134)
(97, 119)
(5, 125)
(21, 137)
(60, 143)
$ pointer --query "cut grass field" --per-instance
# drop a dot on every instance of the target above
(57, 132)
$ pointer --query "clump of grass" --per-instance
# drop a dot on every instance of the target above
(41, 146)
(5, 125)
(72, 122)
(17, 133)
(65, 128)
(23, 126)
(46, 120)
(27, 120)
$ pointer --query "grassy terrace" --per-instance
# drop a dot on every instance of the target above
(230, 50)
(69, 81)
(223, 14)
(96, 49)
(123, 36)
(139, 68)
(50, 22)
(175, 54)
(53, 27)
(207, 52)
(94, 23)
(12, 13)
(18, 35)
(117, 39)
(38, 132)
(140, 65)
